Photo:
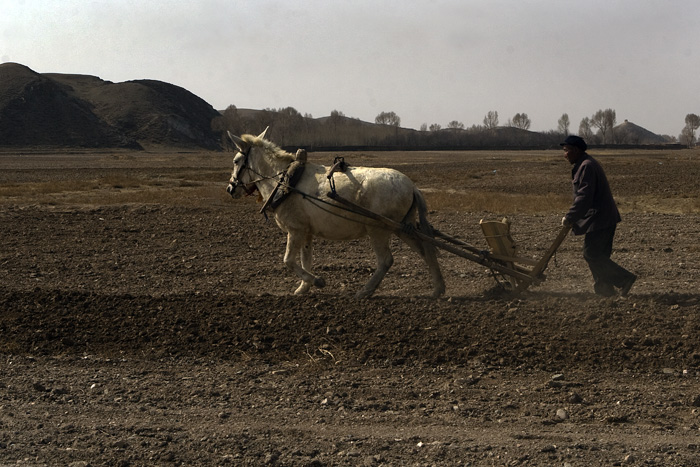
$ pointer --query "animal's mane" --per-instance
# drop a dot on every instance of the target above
(270, 148)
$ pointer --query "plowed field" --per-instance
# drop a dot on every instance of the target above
(147, 319)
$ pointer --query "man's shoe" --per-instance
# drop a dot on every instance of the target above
(627, 285)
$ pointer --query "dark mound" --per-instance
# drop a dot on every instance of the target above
(39, 111)
(85, 111)
(629, 133)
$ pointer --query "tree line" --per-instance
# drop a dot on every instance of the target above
(289, 128)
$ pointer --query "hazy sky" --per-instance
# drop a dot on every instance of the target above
(428, 61)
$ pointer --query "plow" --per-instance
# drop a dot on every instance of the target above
(512, 271)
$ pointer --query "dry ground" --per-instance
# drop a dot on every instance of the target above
(145, 319)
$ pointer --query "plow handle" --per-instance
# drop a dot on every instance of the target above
(542, 264)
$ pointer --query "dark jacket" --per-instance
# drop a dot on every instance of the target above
(594, 207)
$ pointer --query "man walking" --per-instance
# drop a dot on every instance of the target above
(594, 213)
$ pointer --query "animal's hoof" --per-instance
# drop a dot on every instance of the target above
(437, 293)
(319, 282)
(362, 294)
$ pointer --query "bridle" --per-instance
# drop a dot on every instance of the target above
(244, 166)
(232, 186)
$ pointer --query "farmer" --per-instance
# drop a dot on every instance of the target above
(594, 213)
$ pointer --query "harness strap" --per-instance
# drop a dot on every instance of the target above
(339, 165)
(269, 199)
(288, 180)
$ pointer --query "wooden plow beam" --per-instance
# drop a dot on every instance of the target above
(501, 258)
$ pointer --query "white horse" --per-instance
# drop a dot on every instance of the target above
(308, 211)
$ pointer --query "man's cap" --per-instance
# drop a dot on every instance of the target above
(575, 141)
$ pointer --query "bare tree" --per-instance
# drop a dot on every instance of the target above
(288, 123)
(424, 127)
(388, 118)
(455, 125)
(692, 123)
(435, 127)
(522, 121)
(597, 121)
(585, 129)
(686, 137)
(335, 119)
(610, 120)
(563, 124)
(605, 121)
(229, 120)
(491, 119)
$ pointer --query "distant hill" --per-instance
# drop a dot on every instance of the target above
(67, 110)
(629, 133)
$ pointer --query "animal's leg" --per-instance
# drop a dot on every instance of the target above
(306, 264)
(429, 254)
(427, 250)
(380, 244)
(295, 242)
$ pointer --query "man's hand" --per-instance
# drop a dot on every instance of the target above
(565, 222)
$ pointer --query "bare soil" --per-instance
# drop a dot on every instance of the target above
(146, 319)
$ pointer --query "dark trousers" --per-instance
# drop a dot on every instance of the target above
(607, 274)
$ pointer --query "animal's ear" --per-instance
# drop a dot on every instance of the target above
(262, 135)
(240, 144)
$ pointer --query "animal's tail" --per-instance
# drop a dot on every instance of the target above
(421, 207)
(429, 251)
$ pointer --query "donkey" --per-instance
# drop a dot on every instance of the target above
(308, 212)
